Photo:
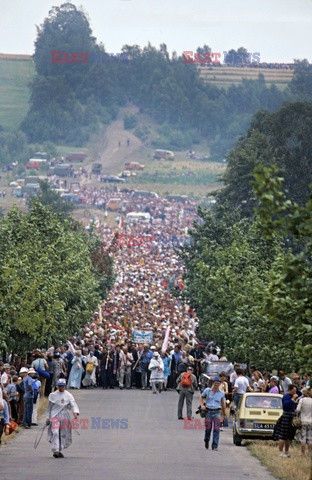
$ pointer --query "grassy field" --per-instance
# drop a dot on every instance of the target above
(14, 94)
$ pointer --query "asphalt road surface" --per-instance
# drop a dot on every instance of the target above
(153, 446)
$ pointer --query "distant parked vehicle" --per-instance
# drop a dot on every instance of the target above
(160, 154)
(36, 163)
(144, 194)
(138, 217)
(31, 188)
(70, 197)
(96, 168)
(41, 156)
(114, 204)
(76, 157)
(112, 179)
(134, 166)
(177, 198)
(126, 174)
(17, 192)
(62, 169)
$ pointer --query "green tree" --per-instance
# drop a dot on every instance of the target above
(227, 271)
(301, 83)
(281, 138)
(289, 296)
(47, 283)
(52, 199)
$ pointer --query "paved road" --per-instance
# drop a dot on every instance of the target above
(154, 446)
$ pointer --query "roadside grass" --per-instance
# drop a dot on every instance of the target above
(41, 411)
(297, 467)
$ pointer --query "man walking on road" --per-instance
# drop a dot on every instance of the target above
(187, 384)
(58, 418)
(215, 411)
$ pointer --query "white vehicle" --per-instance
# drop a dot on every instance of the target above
(144, 194)
(138, 217)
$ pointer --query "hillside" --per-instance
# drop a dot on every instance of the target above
(181, 176)
(16, 71)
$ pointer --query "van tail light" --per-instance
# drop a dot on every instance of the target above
(242, 423)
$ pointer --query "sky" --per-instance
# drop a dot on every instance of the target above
(280, 30)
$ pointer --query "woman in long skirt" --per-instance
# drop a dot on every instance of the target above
(284, 432)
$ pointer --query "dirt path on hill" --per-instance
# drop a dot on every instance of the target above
(116, 151)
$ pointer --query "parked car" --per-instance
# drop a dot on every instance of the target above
(144, 194)
(112, 179)
(256, 416)
(76, 157)
(137, 217)
(96, 168)
(134, 166)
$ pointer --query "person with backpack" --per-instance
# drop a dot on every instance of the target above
(187, 384)
(212, 400)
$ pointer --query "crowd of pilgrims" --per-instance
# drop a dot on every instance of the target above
(147, 299)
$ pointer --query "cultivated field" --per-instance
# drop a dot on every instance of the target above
(225, 76)
(15, 75)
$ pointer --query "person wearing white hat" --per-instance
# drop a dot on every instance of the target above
(157, 373)
(28, 395)
(58, 418)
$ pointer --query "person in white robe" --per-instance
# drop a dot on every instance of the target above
(90, 378)
(61, 402)
(156, 366)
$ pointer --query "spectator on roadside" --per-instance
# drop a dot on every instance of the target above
(284, 431)
(28, 397)
(273, 385)
(296, 382)
(241, 385)
(4, 417)
(304, 409)
(284, 381)
(258, 384)
(37, 394)
(12, 393)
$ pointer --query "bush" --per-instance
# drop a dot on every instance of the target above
(142, 133)
(130, 121)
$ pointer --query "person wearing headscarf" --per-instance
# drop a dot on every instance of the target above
(89, 380)
(156, 367)
(59, 420)
(74, 379)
